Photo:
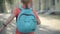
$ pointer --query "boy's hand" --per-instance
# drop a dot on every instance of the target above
(38, 22)
(1, 29)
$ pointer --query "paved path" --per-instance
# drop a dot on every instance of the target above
(49, 25)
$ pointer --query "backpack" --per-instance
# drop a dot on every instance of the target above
(26, 21)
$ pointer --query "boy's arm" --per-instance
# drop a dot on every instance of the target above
(14, 14)
(7, 22)
(37, 17)
(11, 17)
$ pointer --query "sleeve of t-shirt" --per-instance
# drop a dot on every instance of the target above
(16, 11)
(36, 15)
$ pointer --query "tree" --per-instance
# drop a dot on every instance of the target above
(10, 1)
(1, 6)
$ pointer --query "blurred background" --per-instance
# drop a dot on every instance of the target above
(48, 10)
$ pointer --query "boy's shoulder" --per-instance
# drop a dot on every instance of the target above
(16, 11)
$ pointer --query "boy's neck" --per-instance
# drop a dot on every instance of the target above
(24, 6)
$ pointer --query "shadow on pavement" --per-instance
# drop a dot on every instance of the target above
(50, 16)
(45, 30)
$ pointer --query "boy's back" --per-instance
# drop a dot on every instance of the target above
(17, 11)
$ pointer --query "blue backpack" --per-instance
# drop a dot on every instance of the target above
(26, 21)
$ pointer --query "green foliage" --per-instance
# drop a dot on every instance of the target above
(1, 1)
(10, 1)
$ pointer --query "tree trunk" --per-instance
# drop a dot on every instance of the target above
(1, 8)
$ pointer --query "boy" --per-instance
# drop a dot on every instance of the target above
(16, 11)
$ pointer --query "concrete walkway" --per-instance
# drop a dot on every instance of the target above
(48, 25)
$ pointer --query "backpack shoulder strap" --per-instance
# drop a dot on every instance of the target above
(20, 7)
